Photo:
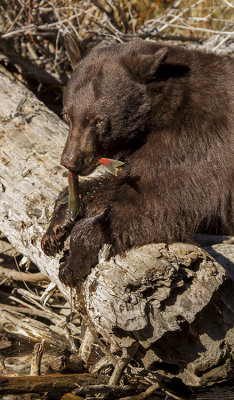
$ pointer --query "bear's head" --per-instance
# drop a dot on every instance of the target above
(106, 102)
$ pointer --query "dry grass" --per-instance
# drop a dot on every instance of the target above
(37, 26)
(31, 31)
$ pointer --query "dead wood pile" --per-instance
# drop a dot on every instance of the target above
(170, 308)
(31, 32)
(162, 315)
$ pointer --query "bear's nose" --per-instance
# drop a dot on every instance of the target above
(77, 162)
(69, 161)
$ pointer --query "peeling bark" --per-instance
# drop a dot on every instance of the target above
(175, 302)
(32, 138)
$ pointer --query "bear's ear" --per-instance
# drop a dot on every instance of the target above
(144, 67)
(73, 47)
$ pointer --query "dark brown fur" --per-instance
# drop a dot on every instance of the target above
(167, 112)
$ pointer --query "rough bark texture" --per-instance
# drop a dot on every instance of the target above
(175, 301)
(32, 138)
(47, 383)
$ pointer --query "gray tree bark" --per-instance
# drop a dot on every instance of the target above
(175, 302)
(32, 138)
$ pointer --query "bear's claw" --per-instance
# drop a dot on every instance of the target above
(58, 231)
(53, 240)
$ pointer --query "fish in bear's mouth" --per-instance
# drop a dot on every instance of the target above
(74, 197)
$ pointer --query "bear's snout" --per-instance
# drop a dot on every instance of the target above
(79, 153)
(81, 163)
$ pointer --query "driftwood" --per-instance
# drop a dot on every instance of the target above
(21, 276)
(38, 349)
(13, 325)
(175, 301)
(32, 138)
(48, 383)
(172, 305)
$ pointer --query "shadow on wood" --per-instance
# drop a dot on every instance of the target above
(176, 302)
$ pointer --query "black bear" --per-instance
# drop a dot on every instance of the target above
(167, 113)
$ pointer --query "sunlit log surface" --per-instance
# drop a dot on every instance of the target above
(32, 138)
(175, 301)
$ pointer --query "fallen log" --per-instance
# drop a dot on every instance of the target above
(48, 383)
(173, 300)
(174, 304)
(32, 138)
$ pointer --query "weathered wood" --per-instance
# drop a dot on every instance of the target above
(175, 301)
(21, 276)
(48, 383)
(105, 389)
(70, 396)
(143, 395)
(13, 325)
(38, 350)
(20, 364)
(32, 138)
(118, 291)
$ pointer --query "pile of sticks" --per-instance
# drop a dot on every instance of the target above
(31, 32)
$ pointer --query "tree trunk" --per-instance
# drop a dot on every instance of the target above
(175, 302)
(32, 138)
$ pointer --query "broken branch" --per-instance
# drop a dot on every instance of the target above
(48, 383)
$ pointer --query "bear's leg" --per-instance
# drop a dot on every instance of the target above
(87, 238)
(59, 228)
(96, 196)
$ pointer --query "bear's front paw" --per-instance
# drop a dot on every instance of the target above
(66, 273)
(73, 270)
(58, 231)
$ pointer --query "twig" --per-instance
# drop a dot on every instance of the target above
(48, 293)
(207, 30)
(70, 339)
(104, 362)
(26, 310)
(126, 357)
(71, 396)
(21, 276)
(143, 395)
(103, 348)
(36, 358)
(25, 29)
(229, 4)
(86, 345)
(16, 18)
(104, 389)
(31, 297)
(48, 383)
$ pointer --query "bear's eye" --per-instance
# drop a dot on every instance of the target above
(99, 122)
(66, 117)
